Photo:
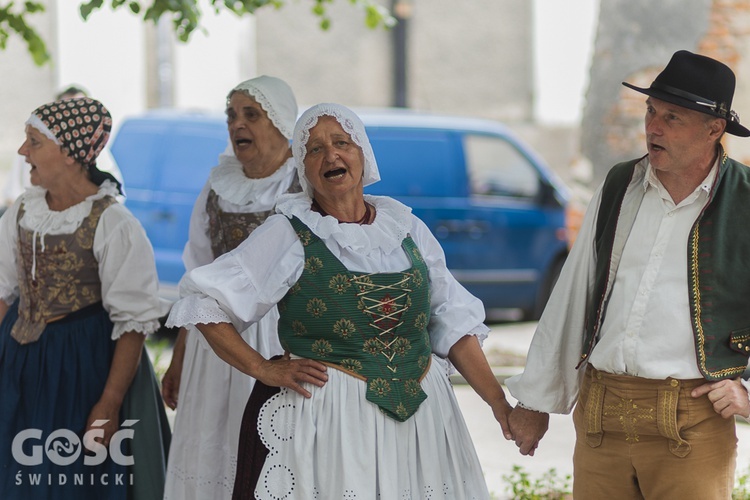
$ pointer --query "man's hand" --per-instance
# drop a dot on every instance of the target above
(528, 427)
(729, 397)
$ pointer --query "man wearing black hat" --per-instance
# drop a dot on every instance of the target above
(647, 332)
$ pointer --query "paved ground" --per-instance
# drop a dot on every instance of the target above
(498, 456)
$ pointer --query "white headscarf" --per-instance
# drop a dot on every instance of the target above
(276, 98)
(351, 124)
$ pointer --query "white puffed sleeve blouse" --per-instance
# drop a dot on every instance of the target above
(126, 259)
(241, 286)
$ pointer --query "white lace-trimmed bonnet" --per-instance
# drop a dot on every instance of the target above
(276, 98)
(352, 125)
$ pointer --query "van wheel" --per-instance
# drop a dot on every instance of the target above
(546, 289)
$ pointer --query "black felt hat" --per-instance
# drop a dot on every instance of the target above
(700, 83)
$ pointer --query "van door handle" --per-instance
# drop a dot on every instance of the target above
(474, 228)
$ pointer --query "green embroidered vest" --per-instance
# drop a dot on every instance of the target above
(372, 326)
(718, 270)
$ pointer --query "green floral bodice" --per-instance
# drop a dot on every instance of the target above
(372, 326)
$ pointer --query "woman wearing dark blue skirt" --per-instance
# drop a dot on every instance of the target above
(80, 414)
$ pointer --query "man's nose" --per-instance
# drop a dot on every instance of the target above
(653, 125)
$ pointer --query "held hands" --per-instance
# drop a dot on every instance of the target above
(502, 410)
(528, 427)
(292, 373)
(729, 397)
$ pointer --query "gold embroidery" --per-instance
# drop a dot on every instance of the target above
(313, 265)
(402, 346)
(401, 410)
(322, 348)
(412, 387)
(66, 277)
(339, 284)
(417, 278)
(344, 328)
(371, 346)
(380, 386)
(697, 318)
(298, 327)
(417, 255)
(629, 414)
(316, 307)
(304, 237)
(420, 323)
(363, 282)
(352, 365)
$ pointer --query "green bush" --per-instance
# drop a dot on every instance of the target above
(742, 486)
(548, 487)
(521, 486)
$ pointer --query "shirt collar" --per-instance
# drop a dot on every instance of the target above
(651, 180)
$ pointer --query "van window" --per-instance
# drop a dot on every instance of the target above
(417, 162)
(135, 148)
(497, 168)
(192, 151)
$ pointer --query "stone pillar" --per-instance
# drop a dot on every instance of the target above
(635, 40)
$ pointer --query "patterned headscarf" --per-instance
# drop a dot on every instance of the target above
(352, 125)
(276, 98)
(81, 126)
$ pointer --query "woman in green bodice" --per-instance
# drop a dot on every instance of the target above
(372, 323)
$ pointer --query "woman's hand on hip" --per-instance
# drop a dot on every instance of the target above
(292, 373)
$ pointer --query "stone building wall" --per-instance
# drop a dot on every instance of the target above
(635, 40)
(476, 59)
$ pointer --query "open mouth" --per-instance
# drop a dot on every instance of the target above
(242, 142)
(336, 172)
(656, 147)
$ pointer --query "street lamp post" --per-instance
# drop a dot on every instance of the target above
(402, 11)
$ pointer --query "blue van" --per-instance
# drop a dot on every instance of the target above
(496, 208)
(165, 157)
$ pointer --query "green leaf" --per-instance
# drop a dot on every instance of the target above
(32, 7)
(185, 16)
(87, 8)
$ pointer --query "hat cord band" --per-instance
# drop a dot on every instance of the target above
(682, 93)
(685, 95)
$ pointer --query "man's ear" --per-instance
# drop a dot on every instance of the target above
(717, 127)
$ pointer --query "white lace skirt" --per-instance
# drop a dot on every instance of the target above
(203, 455)
(339, 445)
